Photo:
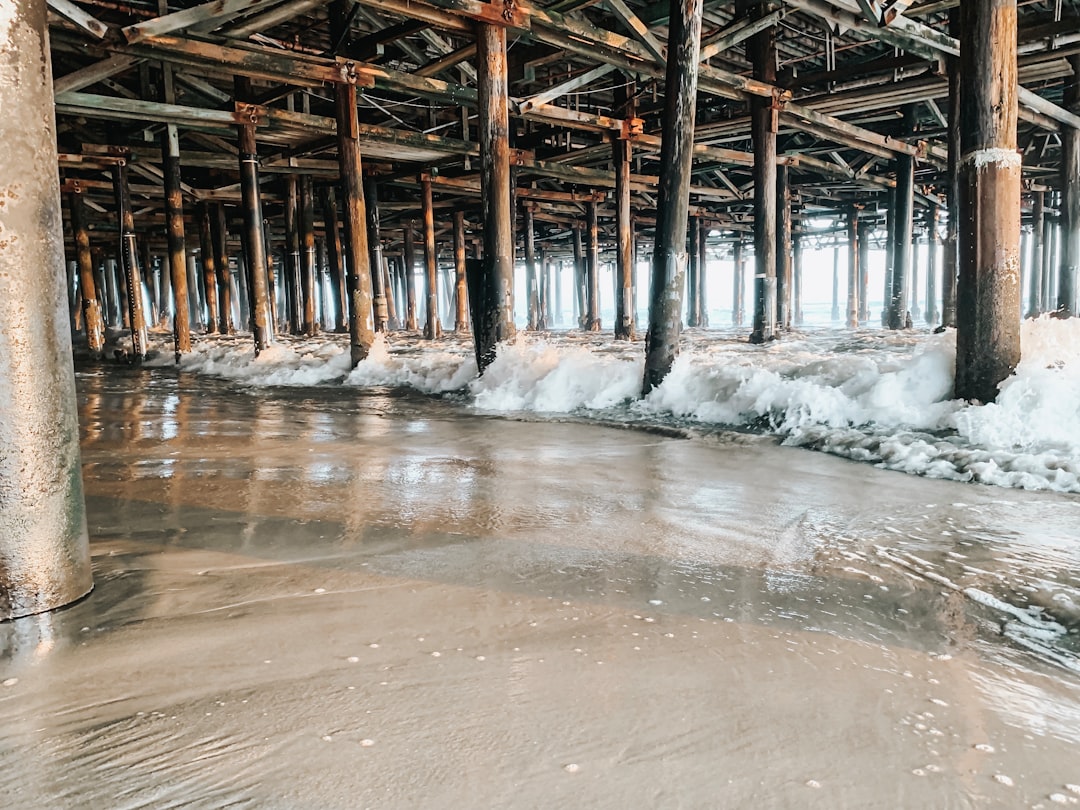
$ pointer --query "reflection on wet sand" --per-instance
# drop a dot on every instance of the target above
(317, 598)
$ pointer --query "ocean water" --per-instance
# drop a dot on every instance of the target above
(872, 396)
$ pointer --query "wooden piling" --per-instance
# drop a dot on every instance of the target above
(579, 278)
(174, 234)
(532, 273)
(307, 254)
(592, 270)
(853, 268)
(864, 271)
(409, 270)
(354, 215)
(931, 313)
(621, 149)
(784, 283)
(432, 327)
(914, 311)
(219, 234)
(495, 310)
(738, 293)
(94, 325)
(209, 267)
(761, 51)
(254, 240)
(988, 293)
(836, 284)
(693, 309)
(461, 294)
(676, 154)
(950, 259)
(338, 294)
(903, 207)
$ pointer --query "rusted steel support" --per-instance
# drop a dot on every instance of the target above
(738, 286)
(532, 272)
(495, 308)
(579, 278)
(354, 214)
(1035, 299)
(461, 294)
(672, 210)
(254, 240)
(375, 254)
(931, 313)
(43, 541)
(209, 267)
(624, 226)
(307, 254)
(592, 270)
(903, 207)
(174, 233)
(950, 258)
(219, 233)
(432, 327)
(864, 271)
(853, 268)
(408, 258)
(338, 296)
(129, 258)
(761, 50)
(1070, 197)
(784, 285)
(91, 307)
(693, 274)
(988, 294)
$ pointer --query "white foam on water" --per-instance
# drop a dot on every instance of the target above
(879, 397)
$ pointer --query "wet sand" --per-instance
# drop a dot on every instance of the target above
(341, 599)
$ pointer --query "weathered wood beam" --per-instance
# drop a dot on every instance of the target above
(216, 10)
(92, 74)
(77, 16)
(568, 86)
(640, 31)
(447, 61)
(740, 30)
(267, 20)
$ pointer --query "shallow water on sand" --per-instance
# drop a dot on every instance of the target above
(344, 598)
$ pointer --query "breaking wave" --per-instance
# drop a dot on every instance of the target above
(871, 396)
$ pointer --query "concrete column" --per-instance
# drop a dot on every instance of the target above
(44, 553)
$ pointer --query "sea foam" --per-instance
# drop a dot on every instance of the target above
(880, 397)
